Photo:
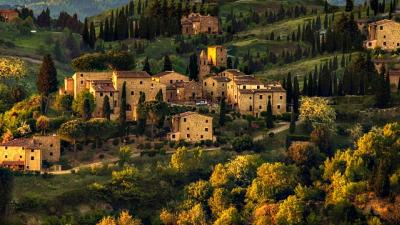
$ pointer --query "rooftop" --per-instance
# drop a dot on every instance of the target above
(132, 74)
(20, 142)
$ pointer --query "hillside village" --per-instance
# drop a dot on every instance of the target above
(164, 112)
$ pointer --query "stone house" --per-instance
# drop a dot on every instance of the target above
(215, 87)
(383, 34)
(216, 56)
(250, 96)
(195, 23)
(181, 92)
(192, 127)
(170, 77)
(232, 73)
(8, 14)
(102, 84)
(30, 153)
(394, 77)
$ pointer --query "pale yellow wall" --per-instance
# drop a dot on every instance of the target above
(193, 127)
(81, 79)
(171, 78)
(214, 89)
(385, 36)
(22, 155)
(259, 102)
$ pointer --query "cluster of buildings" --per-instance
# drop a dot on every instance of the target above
(8, 14)
(383, 34)
(30, 154)
(195, 23)
(243, 93)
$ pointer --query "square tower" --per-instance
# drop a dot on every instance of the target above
(217, 56)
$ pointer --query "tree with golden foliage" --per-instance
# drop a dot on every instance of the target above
(11, 67)
(124, 219)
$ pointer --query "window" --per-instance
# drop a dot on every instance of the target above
(101, 94)
(213, 84)
(260, 107)
(170, 81)
(384, 36)
(5, 156)
(81, 74)
(6, 147)
(281, 97)
(141, 82)
(223, 93)
(188, 135)
(81, 81)
(51, 154)
(20, 156)
(187, 128)
(212, 93)
(258, 86)
(250, 108)
(369, 44)
(206, 121)
(173, 136)
(261, 96)
(249, 97)
(184, 119)
(111, 94)
(398, 44)
(381, 27)
(32, 150)
(278, 106)
(32, 158)
(206, 129)
(201, 136)
(244, 86)
(384, 43)
(51, 145)
(132, 93)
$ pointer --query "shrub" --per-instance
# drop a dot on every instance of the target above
(242, 143)
(115, 141)
(208, 143)
(294, 137)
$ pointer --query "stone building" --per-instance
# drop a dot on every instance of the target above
(102, 84)
(8, 14)
(383, 34)
(192, 127)
(195, 23)
(184, 92)
(216, 56)
(250, 96)
(170, 77)
(215, 87)
(30, 153)
(394, 77)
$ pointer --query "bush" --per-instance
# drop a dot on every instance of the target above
(115, 141)
(293, 138)
(208, 143)
(243, 143)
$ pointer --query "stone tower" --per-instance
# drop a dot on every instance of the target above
(204, 67)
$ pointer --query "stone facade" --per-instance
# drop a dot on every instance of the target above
(216, 56)
(394, 77)
(29, 153)
(250, 96)
(383, 34)
(191, 126)
(102, 84)
(215, 87)
(170, 77)
(195, 23)
(8, 14)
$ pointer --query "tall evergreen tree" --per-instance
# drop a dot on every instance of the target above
(222, 112)
(289, 92)
(122, 110)
(146, 65)
(159, 96)
(106, 108)
(292, 127)
(269, 120)
(167, 63)
(349, 5)
(85, 32)
(46, 80)
(87, 112)
(92, 39)
(6, 190)
(141, 114)
(296, 95)
(305, 86)
(193, 67)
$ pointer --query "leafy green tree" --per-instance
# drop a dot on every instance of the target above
(243, 143)
(199, 191)
(106, 108)
(124, 156)
(73, 131)
(291, 211)
(316, 112)
(273, 181)
(64, 103)
(80, 107)
(220, 200)
(42, 124)
(6, 190)
(229, 216)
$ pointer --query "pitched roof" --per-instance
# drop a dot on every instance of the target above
(7, 11)
(20, 142)
(380, 22)
(189, 113)
(132, 74)
(235, 72)
(166, 73)
(220, 78)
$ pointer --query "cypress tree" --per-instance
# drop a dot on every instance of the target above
(146, 65)
(122, 110)
(193, 67)
(85, 32)
(167, 63)
(106, 108)
(222, 112)
(269, 122)
(305, 86)
(349, 5)
(335, 85)
(289, 91)
(310, 91)
(87, 112)
(159, 96)
(296, 95)
(101, 33)
(46, 80)
(141, 114)
(6, 190)
(292, 127)
(92, 39)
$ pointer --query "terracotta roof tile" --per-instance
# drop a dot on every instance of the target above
(132, 74)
